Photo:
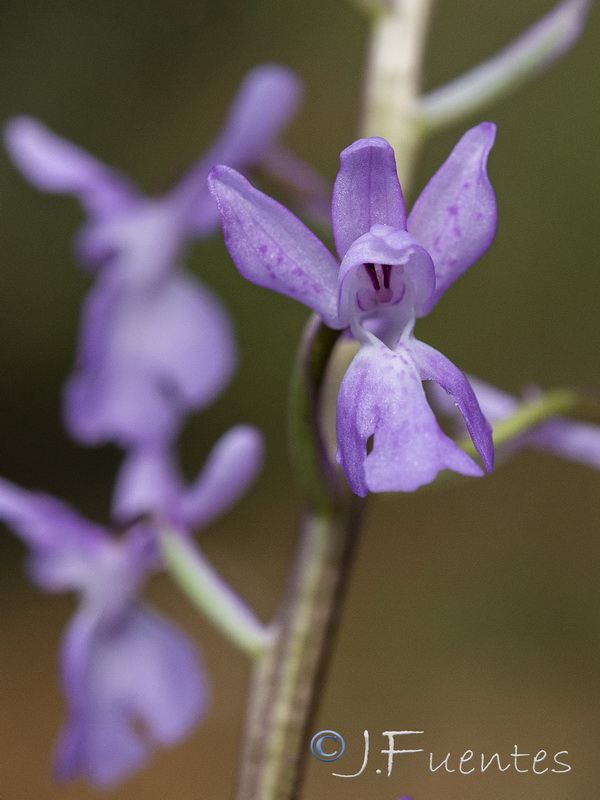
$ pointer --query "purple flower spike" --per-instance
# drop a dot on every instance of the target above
(154, 343)
(122, 664)
(393, 271)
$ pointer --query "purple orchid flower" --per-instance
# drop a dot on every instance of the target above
(147, 234)
(568, 438)
(146, 357)
(154, 342)
(150, 481)
(121, 662)
(393, 270)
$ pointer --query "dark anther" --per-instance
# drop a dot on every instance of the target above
(372, 273)
(386, 275)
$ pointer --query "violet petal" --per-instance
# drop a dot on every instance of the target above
(136, 667)
(567, 438)
(230, 469)
(309, 190)
(144, 244)
(433, 366)
(54, 164)
(381, 395)
(62, 543)
(272, 248)
(267, 99)
(145, 358)
(366, 192)
(149, 482)
(454, 218)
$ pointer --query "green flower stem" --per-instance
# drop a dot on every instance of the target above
(393, 76)
(212, 595)
(287, 680)
(317, 478)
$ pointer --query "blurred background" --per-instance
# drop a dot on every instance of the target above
(474, 609)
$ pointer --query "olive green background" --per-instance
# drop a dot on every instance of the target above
(473, 612)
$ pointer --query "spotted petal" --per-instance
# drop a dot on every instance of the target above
(272, 248)
(454, 218)
(266, 102)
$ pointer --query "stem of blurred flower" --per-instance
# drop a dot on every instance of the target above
(288, 679)
(212, 595)
(531, 414)
(530, 54)
(393, 78)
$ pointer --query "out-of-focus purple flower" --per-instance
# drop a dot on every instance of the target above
(146, 234)
(393, 270)
(122, 663)
(146, 357)
(567, 438)
(150, 481)
(154, 342)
